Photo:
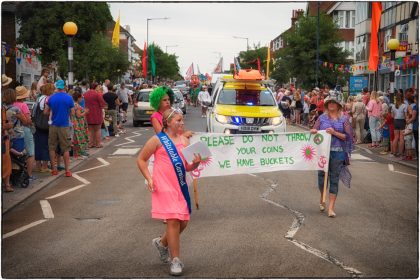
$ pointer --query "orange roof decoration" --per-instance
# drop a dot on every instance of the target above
(248, 74)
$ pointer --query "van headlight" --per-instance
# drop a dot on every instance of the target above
(222, 119)
(276, 120)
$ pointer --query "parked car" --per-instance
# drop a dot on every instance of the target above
(142, 109)
(179, 101)
(243, 105)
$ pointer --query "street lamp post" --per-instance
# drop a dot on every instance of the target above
(70, 29)
(147, 28)
(393, 45)
(173, 46)
(245, 38)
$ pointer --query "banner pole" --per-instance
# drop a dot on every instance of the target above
(195, 183)
(324, 193)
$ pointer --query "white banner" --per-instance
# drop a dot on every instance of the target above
(255, 153)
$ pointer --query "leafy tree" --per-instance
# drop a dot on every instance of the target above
(248, 59)
(42, 24)
(298, 58)
(98, 60)
(166, 64)
(94, 57)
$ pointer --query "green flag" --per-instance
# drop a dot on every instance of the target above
(152, 60)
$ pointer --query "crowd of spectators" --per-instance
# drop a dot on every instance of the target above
(381, 120)
(47, 125)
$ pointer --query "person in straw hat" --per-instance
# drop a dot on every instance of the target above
(21, 94)
(334, 122)
(5, 81)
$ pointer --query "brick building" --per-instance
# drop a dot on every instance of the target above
(399, 20)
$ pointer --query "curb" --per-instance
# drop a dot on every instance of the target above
(407, 164)
(29, 192)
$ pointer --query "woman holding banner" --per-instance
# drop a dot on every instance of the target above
(170, 197)
(335, 123)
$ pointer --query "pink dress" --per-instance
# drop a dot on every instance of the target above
(168, 202)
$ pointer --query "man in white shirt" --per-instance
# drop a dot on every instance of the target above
(204, 99)
(105, 86)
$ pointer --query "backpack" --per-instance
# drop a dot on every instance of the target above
(41, 119)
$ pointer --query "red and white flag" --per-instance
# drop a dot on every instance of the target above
(219, 66)
(190, 72)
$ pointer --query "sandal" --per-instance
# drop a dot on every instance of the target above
(8, 188)
(54, 172)
(68, 174)
(331, 214)
(322, 207)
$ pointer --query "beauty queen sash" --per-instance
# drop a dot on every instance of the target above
(177, 164)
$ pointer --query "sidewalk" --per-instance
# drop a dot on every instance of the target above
(375, 152)
(12, 199)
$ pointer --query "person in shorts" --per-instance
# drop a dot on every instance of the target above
(62, 106)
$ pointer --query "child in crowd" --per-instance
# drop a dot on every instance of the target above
(408, 140)
(388, 132)
(170, 197)
(313, 115)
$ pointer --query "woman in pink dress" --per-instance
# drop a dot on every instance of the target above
(95, 103)
(169, 200)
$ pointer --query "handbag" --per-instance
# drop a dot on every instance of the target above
(41, 119)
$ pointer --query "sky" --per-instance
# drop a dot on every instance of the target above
(203, 32)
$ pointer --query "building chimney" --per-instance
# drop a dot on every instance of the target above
(294, 17)
(296, 14)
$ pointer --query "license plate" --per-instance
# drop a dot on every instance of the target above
(250, 128)
(149, 112)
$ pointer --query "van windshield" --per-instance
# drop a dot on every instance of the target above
(143, 97)
(246, 97)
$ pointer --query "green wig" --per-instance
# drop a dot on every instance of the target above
(157, 94)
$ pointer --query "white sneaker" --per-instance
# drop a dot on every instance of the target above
(163, 251)
(176, 267)
(117, 135)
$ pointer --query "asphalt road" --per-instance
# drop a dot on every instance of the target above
(248, 226)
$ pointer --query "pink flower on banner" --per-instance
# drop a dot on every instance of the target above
(204, 163)
(308, 152)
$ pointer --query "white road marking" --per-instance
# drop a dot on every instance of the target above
(45, 205)
(126, 151)
(129, 139)
(83, 180)
(104, 162)
(369, 151)
(392, 169)
(46, 209)
(119, 156)
(66, 192)
(21, 229)
(405, 173)
(132, 146)
(359, 157)
(253, 175)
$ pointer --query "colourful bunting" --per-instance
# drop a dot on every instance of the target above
(7, 59)
(18, 59)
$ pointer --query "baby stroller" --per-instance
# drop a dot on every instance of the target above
(19, 176)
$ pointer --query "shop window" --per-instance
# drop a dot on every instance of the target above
(388, 34)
